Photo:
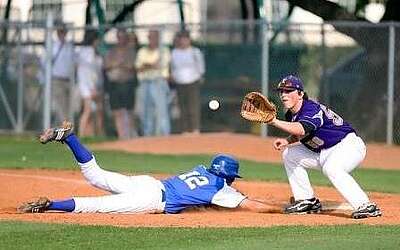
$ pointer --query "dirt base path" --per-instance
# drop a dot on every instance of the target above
(243, 146)
(31, 184)
(23, 185)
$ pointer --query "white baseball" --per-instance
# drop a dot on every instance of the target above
(213, 104)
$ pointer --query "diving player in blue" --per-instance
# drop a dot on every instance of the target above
(319, 139)
(200, 186)
(203, 186)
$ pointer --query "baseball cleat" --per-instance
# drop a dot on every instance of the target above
(56, 134)
(367, 210)
(39, 206)
(307, 206)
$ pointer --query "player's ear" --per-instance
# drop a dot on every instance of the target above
(301, 94)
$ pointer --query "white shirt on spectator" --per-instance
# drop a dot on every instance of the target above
(63, 62)
(187, 65)
(89, 73)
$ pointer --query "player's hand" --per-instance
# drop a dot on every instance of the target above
(280, 144)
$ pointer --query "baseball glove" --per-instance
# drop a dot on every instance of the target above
(257, 108)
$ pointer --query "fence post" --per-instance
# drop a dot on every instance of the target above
(48, 71)
(390, 93)
(20, 96)
(264, 67)
(326, 84)
(72, 82)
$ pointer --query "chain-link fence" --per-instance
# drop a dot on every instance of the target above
(20, 91)
(350, 67)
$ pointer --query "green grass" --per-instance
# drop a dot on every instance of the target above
(27, 153)
(23, 235)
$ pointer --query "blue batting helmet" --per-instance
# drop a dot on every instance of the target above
(225, 166)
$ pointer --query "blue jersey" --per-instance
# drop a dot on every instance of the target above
(196, 188)
(326, 128)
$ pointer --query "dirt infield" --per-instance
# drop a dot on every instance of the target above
(23, 185)
(244, 146)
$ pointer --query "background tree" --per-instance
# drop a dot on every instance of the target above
(374, 40)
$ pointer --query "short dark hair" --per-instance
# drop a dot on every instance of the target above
(305, 96)
(121, 29)
(89, 37)
(184, 33)
(60, 26)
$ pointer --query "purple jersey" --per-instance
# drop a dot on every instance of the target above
(325, 128)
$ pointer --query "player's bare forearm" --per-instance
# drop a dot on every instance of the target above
(259, 207)
(293, 128)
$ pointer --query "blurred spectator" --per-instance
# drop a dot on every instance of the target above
(187, 70)
(90, 83)
(133, 41)
(120, 71)
(152, 64)
(62, 72)
(134, 46)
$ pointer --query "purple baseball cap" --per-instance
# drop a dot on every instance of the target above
(290, 82)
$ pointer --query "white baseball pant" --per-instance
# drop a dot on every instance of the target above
(336, 163)
(130, 194)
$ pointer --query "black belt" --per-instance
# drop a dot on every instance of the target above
(163, 197)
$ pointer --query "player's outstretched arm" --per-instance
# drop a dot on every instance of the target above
(259, 207)
(293, 128)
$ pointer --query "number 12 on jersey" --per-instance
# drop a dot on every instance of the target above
(193, 179)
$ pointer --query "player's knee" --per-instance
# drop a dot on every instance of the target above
(330, 171)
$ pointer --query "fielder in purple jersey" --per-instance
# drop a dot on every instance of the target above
(327, 143)
(201, 186)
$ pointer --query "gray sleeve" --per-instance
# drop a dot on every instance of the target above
(228, 197)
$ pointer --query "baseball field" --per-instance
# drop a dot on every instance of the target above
(29, 170)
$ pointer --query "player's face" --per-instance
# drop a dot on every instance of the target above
(290, 98)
